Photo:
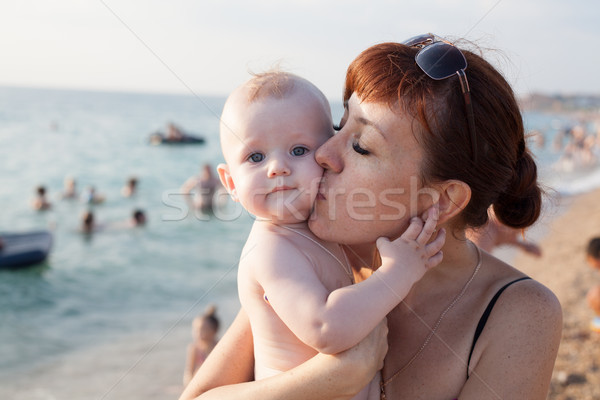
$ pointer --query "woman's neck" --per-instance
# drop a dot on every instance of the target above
(460, 259)
(361, 255)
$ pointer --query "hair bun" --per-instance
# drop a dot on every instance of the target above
(519, 206)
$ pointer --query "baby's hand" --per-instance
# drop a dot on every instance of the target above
(410, 254)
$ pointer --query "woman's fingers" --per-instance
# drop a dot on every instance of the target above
(369, 352)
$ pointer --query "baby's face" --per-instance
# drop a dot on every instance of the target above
(269, 149)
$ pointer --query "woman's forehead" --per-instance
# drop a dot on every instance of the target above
(388, 120)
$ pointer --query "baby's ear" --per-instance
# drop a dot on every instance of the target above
(227, 180)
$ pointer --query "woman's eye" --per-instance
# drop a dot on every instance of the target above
(299, 151)
(256, 157)
(359, 149)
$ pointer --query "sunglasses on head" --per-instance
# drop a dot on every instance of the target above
(440, 59)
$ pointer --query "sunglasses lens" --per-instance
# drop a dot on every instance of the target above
(419, 39)
(440, 60)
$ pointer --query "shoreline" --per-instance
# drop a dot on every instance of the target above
(563, 234)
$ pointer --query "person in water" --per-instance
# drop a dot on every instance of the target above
(204, 188)
(40, 202)
(130, 187)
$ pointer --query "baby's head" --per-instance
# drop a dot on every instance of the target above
(270, 128)
(593, 253)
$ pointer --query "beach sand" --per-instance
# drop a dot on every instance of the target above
(563, 269)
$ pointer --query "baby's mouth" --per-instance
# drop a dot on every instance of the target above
(281, 188)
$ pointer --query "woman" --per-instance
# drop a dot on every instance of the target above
(422, 127)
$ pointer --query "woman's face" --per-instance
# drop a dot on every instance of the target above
(371, 185)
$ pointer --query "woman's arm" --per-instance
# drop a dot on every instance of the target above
(515, 355)
(324, 377)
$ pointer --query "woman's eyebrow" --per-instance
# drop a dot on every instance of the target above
(364, 121)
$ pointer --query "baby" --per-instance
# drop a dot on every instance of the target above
(296, 289)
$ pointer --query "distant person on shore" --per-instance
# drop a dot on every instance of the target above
(593, 295)
(90, 196)
(494, 234)
(130, 187)
(578, 152)
(203, 187)
(70, 188)
(593, 300)
(593, 253)
(40, 202)
(204, 331)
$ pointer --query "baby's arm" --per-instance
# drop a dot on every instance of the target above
(332, 322)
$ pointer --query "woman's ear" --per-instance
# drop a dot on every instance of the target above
(227, 180)
(454, 197)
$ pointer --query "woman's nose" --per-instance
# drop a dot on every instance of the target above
(328, 154)
(278, 167)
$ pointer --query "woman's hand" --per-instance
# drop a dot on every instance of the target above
(357, 365)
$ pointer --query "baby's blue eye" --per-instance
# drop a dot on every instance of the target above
(299, 151)
(256, 157)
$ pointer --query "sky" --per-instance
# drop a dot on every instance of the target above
(209, 47)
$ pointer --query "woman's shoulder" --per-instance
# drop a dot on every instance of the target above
(518, 297)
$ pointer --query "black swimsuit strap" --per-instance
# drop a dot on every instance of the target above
(485, 316)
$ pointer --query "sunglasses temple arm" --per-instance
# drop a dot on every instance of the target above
(464, 85)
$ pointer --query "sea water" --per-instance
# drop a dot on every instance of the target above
(108, 315)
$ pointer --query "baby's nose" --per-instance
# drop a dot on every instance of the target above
(278, 167)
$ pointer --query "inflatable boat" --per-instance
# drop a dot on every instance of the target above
(18, 250)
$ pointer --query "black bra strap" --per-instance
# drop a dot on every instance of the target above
(485, 316)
